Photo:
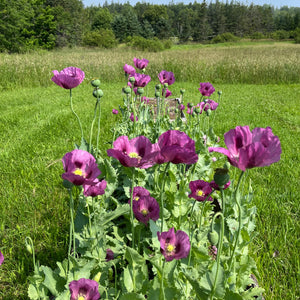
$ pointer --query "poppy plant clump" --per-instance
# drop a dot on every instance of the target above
(80, 167)
(68, 78)
(84, 289)
(174, 245)
(248, 149)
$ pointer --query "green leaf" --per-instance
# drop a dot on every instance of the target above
(133, 257)
(111, 215)
(63, 296)
(128, 280)
(132, 296)
(33, 293)
(53, 282)
(251, 293)
(232, 296)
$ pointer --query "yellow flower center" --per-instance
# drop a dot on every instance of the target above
(136, 198)
(144, 212)
(134, 155)
(81, 298)
(79, 172)
(170, 248)
(199, 193)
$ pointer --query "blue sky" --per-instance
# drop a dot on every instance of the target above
(275, 3)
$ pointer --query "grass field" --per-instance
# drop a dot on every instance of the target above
(37, 129)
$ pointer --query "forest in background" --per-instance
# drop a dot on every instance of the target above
(47, 24)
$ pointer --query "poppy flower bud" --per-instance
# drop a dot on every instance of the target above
(98, 93)
(140, 91)
(166, 85)
(182, 91)
(198, 110)
(29, 248)
(176, 110)
(67, 184)
(97, 277)
(158, 87)
(131, 79)
(190, 105)
(221, 177)
(157, 94)
(95, 82)
(226, 165)
(220, 93)
(127, 90)
(213, 237)
(208, 112)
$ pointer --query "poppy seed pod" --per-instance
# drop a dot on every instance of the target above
(157, 94)
(140, 91)
(221, 177)
(95, 82)
(131, 79)
(158, 87)
(98, 93)
(127, 90)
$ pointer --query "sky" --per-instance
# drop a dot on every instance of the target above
(275, 3)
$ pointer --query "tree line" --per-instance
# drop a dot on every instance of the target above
(47, 24)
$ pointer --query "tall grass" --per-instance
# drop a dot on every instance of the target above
(256, 64)
(37, 129)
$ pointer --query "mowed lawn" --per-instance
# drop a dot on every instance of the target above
(37, 128)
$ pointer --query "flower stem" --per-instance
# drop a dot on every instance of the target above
(240, 220)
(98, 132)
(161, 196)
(162, 281)
(71, 105)
(91, 133)
(72, 230)
(220, 244)
(131, 204)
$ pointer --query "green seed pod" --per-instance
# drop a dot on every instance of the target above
(127, 90)
(95, 82)
(220, 93)
(197, 110)
(213, 237)
(165, 85)
(131, 79)
(158, 87)
(157, 94)
(208, 112)
(190, 105)
(221, 177)
(140, 91)
(182, 91)
(97, 93)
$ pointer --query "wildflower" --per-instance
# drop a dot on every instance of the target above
(132, 153)
(94, 188)
(206, 89)
(213, 185)
(80, 167)
(115, 111)
(181, 107)
(1, 258)
(146, 208)
(140, 63)
(68, 78)
(208, 104)
(109, 255)
(141, 80)
(139, 192)
(166, 77)
(168, 93)
(132, 117)
(176, 147)
(248, 149)
(84, 289)
(200, 190)
(130, 70)
(174, 245)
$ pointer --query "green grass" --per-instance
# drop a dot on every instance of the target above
(37, 129)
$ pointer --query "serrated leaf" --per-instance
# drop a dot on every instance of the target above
(111, 215)
(32, 292)
(232, 296)
(128, 281)
(63, 296)
(53, 282)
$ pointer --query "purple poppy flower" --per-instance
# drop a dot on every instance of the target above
(139, 192)
(140, 63)
(181, 107)
(174, 245)
(146, 208)
(168, 93)
(68, 78)
(109, 255)
(85, 289)
(208, 104)
(115, 111)
(190, 110)
(166, 77)
(94, 188)
(145, 100)
(248, 149)
(132, 153)
(141, 80)
(176, 147)
(128, 69)
(132, 117)
(80, 167)
(216, 187)
(200, 190)
(1, 258)
(206, 89)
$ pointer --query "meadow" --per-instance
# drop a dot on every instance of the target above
(260, 87)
